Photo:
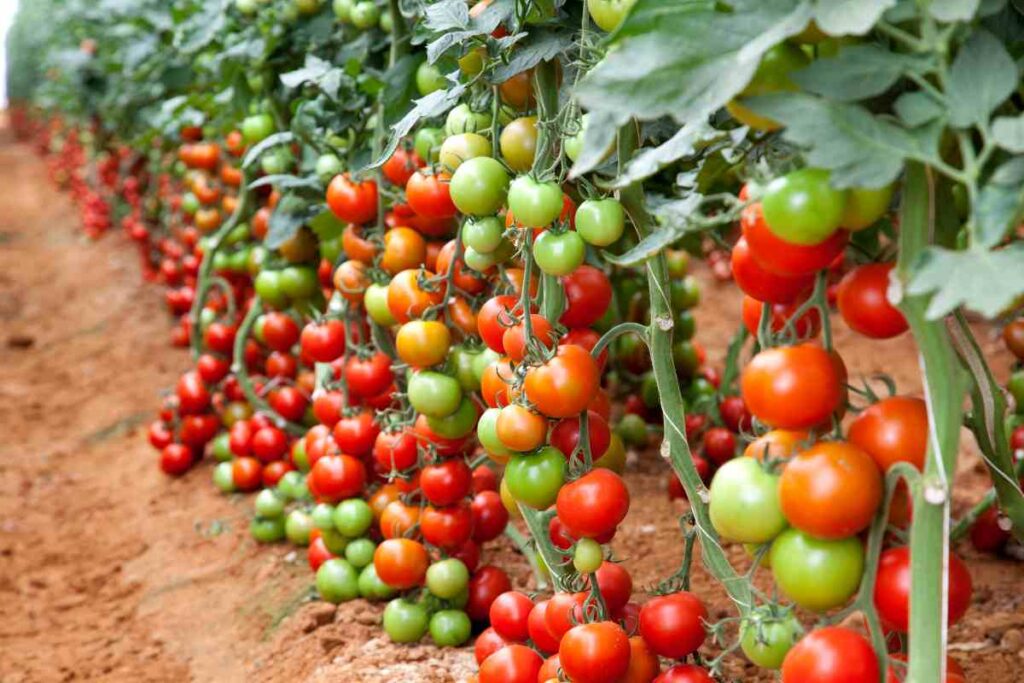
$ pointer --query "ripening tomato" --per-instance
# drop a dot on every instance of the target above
(595, 653)
(564, 385)
(864, 304)
(793, 387)
(461, 276)
(404, 248)
(893, 430)
(760, 283)
(892, 589)
(429, 196)
(593, 505)
(352, 202)
(422, 343)
(831, 655)
(401, 563)
(778, 444)
(673, 625)
(246, 473)
(407, 298)
(398, 519)
(802, 207)
(744, 503)
(520, 429)
(778, 256)
(831, 490)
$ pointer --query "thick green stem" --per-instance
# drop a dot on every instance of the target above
(659, 337)
(204, 277)
(944, 389)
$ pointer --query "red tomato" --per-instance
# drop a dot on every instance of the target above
(762, 284)
(487, 643)
(428, 195)
(588, 293)
(317, 553)
(357, 434)
(566, 435)
(447, 527)
(246, 473)
(484, 586)
(673, 625)
(514, 338)
(778, 256)
(893, 430)
(323, 342)
(511, 664)
(593, 505)
(595, 653)
(892, 589)
(368, 376)
(509, 614)
(538, 628)
(616, 585)
(490, 516)
(987, 535)
(719, 445)
(175, 459)
(807, 326)
(401, 563)
(394, 451)
(350, 201)
(685, 673)
(336, 477)
(401, 165)
(863, 303)
(793, 387)
(446, 483)
(494, 318)
(831, 655)
(193, 397)
(734, 414)
(563, 611)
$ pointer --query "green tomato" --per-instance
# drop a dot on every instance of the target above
(427, 143)
(223, 479)
(864, 206)
(478, 186)
(266, 530)
(247, 7)
(323, 516)
(460, 362)
(268, 504)
(364, 15)
(685, 293)
(600, 222)
(487, 433)
(765, 639)
(221, 448)
(434, 394)
(462, 119)
(518, 143)
(447, 578)
(632, 429)
(457, 149)
(370, 585)
(483, 235)
(240, 233)
(337, 581)
(559, 254)
(649, 390)
(299, 282)
(268, 287)
(744, 503)
(257, 128)
(801, 207)
(376, 302)
(477, 261)
(817, 574)
(359, 552)
(458, 424)
(386, 22)
(608, 14)
(288, 485)
(450, 628)
(297, 527)
(534, 204)
(772, 75)
(678, 262)
(685, 327)
(429, 78)
(535, 479)
(483, 361)
(342, 9)
(684, 355)
(588, 556)
(404, 621)
(353, 517)
(189, 203)
(277, 161)
(328, 166)
(334, 541)
(330, 248)
(299, 456)
(1016, 388)
(307, 6)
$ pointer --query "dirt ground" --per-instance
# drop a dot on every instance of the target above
(111, 571)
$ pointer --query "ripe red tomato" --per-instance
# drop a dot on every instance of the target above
(490, 516)
(487, 643)
(863, 303)
(193, 396)
(336, 477)
(564, 610)
(269, 444)
(892, 589)
(566, 435)
(447, 527)
(211, 368)
(616, 585)
(762, 284)
(831, 655)
(350, 201)
(496, 316)
(323, 342)
(327, 407)
(317, 553)
(514, 338)
(280, 332)
(685, 673)
(734, 414)
(538, 628)
(401, 165)
(368, 376)
(719, 445)
(511, 664)
(893, 430)
(394, 451)
(588, 293)
(246, 473)
(595, 653)
(778, 256)
(486, 584)
(356, 434)
(987, 535)
(220, 337)
(509, 615)
(593, 505)
(289, 403)
(673, 625)
(807, 326)
(792, 387)
(564, 385)
(175, 459)
(428, 195)
(401, 563)
(446, 483)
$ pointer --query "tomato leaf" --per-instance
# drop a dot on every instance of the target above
(287, 181)
(650, 160)
(999, 203)
(598, 142)
(861, 150)
(917, 108)
(981, 77)
(540, 45)
(674, 217)
(434, 104)
(684, 59)
(982, 280)
(262, 146)
(1008, 132)
(849, 17)
(953, 10)
(857, 72)
(446, 15)
(290, 214)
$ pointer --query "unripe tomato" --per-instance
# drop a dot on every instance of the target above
(802, 207)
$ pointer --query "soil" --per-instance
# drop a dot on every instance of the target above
(111, 571)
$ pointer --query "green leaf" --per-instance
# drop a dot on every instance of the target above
(262, 146)
(861, 150)
(286, 181)
(683, 59)
(446, 15)
(326, 225)
(290, 214)
(999, 202)
(857, 72)
(674, 218)
(849, 17)
(327, 77)
(917, 108)
(399, 86)
(953, 10)
(434, 104)
(982, 76)
(1008, 132)
(984, 281)
(650, 160)
(539, 46)
(598, 140)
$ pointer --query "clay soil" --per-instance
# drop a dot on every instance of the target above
(111, 571)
